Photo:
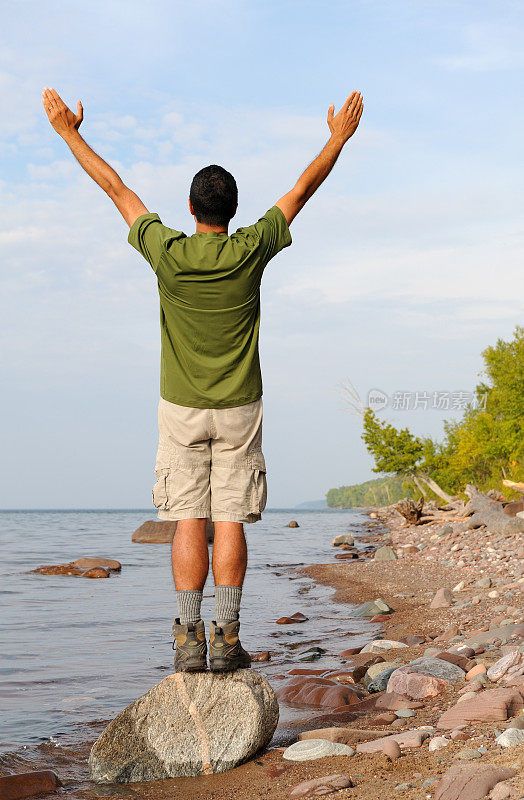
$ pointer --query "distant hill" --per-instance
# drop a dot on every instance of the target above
(377, 492)
(313, 505)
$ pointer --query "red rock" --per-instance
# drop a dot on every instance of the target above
(298, 617)
(458, 659)
(416, 685)
(413, 738)
(384, 719)
(492, 705)
(275, 770)
(319, 787)
(351, 651)
(470, 781)
(306, 671)
(96, 572)
(311, 690)
(442, 599)
(342, 735)
(265, 656)
(59, 569)
(413, 640)
(380, 618)
(391, 749)
(152, 532)
(27, 784)
(96, 561)
(350, 556)
(362, 660)
(474, 672)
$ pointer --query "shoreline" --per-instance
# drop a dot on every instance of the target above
(408, 586)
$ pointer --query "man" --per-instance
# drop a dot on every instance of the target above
(209, 462)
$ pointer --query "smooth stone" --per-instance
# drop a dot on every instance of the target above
(504, 664)
(502, 633)
(321, 786)
(413, 738)
(344, 538)
(416, 685)
(442, 599)
(87, 563)
(382, 644)
(310, 749)
(298, 617)
(293, 524)
(483, 583)
(501, 791)
(468, 754)
(437, 743)
(371, 608)
(478, 669)
(392, 750)
(28, 784)
(374, 670)
(511, 737)
(380, 682)
(385, 553)
(470, 781)
(314, 690)
(96, 572)
(189, 724)
(491, 705)
(405, 713)
(162, 532)
(437, 667)
(343, 735)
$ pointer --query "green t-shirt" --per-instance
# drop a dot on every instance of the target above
(209, 286)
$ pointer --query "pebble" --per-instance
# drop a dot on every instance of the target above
(443, 599)
(479, 669)
(405, 712)
(437, 743)
(310, 749)
(392, 750)
(468, 754)
(511, 737)
(382, 644)
(322, 786)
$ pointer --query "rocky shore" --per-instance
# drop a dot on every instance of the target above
(430, 708)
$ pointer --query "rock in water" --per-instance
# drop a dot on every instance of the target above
(153, 532)
(189, 724)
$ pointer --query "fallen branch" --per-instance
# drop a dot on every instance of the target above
(484, 510)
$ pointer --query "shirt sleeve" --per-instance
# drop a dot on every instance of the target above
(150, 237)
(273, 232)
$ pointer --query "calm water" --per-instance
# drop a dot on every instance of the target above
(75, 650)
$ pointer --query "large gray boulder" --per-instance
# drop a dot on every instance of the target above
(189, 724)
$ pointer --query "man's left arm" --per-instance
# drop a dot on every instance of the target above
(66, 124)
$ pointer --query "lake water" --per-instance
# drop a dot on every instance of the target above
(76, 650)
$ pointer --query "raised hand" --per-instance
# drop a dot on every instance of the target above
(345, 123)
(60, 116)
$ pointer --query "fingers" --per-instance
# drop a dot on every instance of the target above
(79, 110)
(48, 101)
(331, 112)
(349, 100)
(58, 100)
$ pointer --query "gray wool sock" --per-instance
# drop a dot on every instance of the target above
(227, 604)
(189, 602)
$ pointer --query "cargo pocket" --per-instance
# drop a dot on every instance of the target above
(259, 483)
(160, 500)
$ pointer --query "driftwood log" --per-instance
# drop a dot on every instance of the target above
(412, 512)
(485, 510)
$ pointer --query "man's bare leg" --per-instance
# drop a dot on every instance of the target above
(190, 560)
(189, 554)
(229, 554)
(226, 654)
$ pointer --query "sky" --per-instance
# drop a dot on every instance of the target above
(404, 266)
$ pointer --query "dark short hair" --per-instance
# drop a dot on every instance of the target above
(214, 195)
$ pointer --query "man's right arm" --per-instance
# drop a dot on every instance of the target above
(342, 126)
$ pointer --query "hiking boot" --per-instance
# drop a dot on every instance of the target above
(191, 647)
(226, 654)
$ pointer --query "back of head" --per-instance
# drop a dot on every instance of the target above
(214, 195)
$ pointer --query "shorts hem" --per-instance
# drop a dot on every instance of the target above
(173, 515)
(226, 516)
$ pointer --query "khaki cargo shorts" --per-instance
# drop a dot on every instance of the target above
(210, 463)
